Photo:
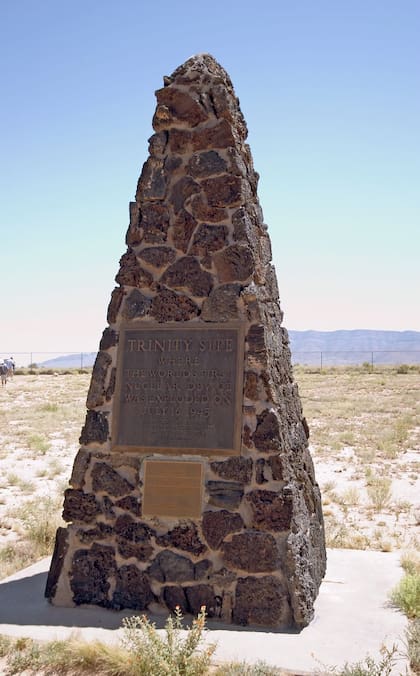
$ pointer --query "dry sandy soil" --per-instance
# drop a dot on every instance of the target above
(365, 442)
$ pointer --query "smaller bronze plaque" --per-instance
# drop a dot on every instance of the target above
(172, 488)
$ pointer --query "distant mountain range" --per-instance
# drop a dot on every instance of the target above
(355, 347)
(331, 348)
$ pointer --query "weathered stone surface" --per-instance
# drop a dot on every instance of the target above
(96, 394)
(203, 165)
(109, 339)
(270, 510)
(225, 493)
(80, 506)
(223, 191)
(169, 306)
(131, 272)
(157, 143)
(202, 595)
(236, 468)
(209, 238)
(101, 531)
(181, 191)
(114, 304)
(222, 304)
(171, 567)
(60, 550)
(253, 551)
(107, 507)
(175, 105)
(154, 223)
(183, 537)
(132, 589)
(175, 597)
(106, 479)
(251, 389)
(152, 182)
(234, 263)
(256, 344)
(219, 136)
(262, 601)
(204, 212)
(267, 433)
(81, 463)
(132, 530)
(158, 256)
(202, 569)
(130, 504)
(133, 538)
(218, 524)
(90, 574)
(111, 385)
(260, 466)
(136, 305)
(183, 229)
(276, 465)
(187, 273)
(95, 429)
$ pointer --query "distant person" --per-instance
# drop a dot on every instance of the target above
(10, 365)
(3, 372)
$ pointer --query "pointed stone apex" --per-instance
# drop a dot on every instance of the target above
(199, 64)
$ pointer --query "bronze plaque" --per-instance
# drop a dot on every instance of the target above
(179, 389)
(172, 488)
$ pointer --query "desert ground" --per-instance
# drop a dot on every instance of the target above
(364, 438)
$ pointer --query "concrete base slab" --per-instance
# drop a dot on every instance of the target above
(353, 617)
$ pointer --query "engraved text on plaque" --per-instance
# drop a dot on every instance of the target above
(179, 388)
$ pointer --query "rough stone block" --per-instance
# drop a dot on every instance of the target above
(106, 479)
(225, 493)
(187, 273)
(218, 524)
(132, 589)
(183, 537)
(253, 551)
(239, 469)
(261, 601)
(90, 574)
(169, 306)
(270, 510)
(80, 506)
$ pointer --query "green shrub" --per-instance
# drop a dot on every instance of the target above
(413, 645)
(171, 654)
(406, 595)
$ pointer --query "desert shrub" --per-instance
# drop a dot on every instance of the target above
(410, 562)
(406, 595)
(171, 654)
(379, 493)
(40, 519)
(368, 666)
(412, 636)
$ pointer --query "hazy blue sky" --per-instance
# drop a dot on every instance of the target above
(330, 91)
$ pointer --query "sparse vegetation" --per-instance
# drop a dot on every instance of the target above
(143, 651)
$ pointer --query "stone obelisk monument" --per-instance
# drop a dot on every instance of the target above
(193, 484)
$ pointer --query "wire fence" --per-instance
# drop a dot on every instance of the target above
(315, 358)
(371, 358)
